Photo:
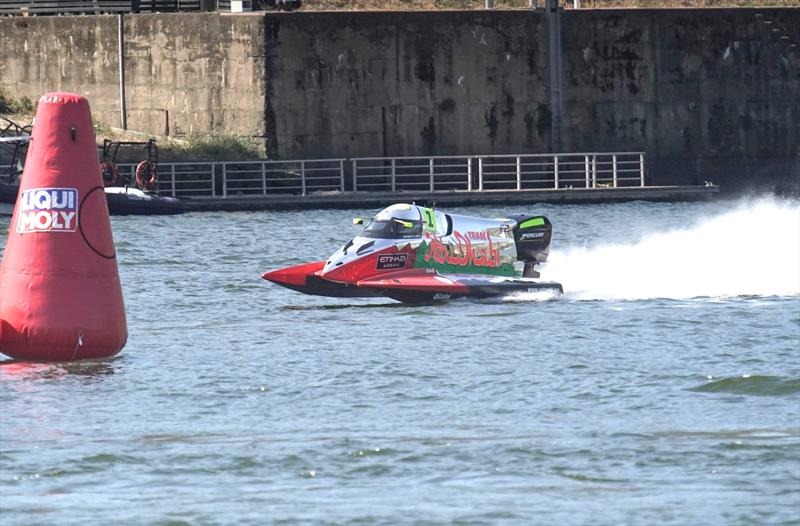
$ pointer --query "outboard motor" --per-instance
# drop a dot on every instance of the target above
(532, 235)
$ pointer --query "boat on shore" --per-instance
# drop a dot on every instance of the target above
(122, 197)
(126, 200)
(13, 146)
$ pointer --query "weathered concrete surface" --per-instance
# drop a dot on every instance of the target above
(43, 54)
(205, 70)
(184, 73)
(413, 83)
(708, 94)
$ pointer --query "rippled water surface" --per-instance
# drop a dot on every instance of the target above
(662, 388)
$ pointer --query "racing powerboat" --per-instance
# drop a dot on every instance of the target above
(416, 254)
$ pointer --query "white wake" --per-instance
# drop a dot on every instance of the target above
(753, 250)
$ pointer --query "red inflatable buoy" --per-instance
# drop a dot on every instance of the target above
(60, 294)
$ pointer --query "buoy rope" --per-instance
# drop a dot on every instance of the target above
(78, 345)
(80, 223)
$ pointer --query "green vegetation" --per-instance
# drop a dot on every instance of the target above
(191, 148)
(9, 105)
(211, 148)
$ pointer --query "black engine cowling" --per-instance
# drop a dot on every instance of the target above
(532, 235)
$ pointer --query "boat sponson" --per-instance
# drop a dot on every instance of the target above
(304, 278)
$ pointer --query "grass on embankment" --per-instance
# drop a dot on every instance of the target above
(189, 148)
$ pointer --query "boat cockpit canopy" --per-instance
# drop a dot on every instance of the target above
(395, 222)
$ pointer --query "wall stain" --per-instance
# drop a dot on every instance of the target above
(424, 45)
(271, 37)
(447, 105)
(544, 119)
(529, 121)
(492, 122)
(429, 138)
(508, 113)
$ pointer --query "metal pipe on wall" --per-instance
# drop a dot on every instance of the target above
(553, 13)
(123, 112)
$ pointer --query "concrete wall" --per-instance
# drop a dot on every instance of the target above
(206, 70)
(708, 94)
(43, 54)
(184, 73)
(373, 84)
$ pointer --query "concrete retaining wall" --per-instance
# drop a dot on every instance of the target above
(375, 84)
(184, 72)
(708, 94)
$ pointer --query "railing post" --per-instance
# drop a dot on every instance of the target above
(480, 174)
(586, 169)
(224, 180)
(430, 169)
(394, 175)
(519, 175)
(614, 169)
(302, 178)
(469, 174)
(555, 170)
(355, 176)
(641, 169)
(594, 170)
(341, 176)
(264, 178)
(172, 174)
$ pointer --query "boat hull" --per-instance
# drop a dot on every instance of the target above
(123, 204)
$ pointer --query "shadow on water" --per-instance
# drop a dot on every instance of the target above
(341, 306)
(491, 300)
(24, 370)
(755, 385)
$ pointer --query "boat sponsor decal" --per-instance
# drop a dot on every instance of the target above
(48, 210)
(429, 218)
(531, 235)
(391, 261)
(464, 253)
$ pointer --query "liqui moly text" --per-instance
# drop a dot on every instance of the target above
(48, 210)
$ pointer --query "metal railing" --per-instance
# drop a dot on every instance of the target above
(246, 178)
(71, 7)
(393, 174)
(499, 172)
(473, 173)
(557, 171)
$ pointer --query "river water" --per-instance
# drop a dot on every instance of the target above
(663, 387)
